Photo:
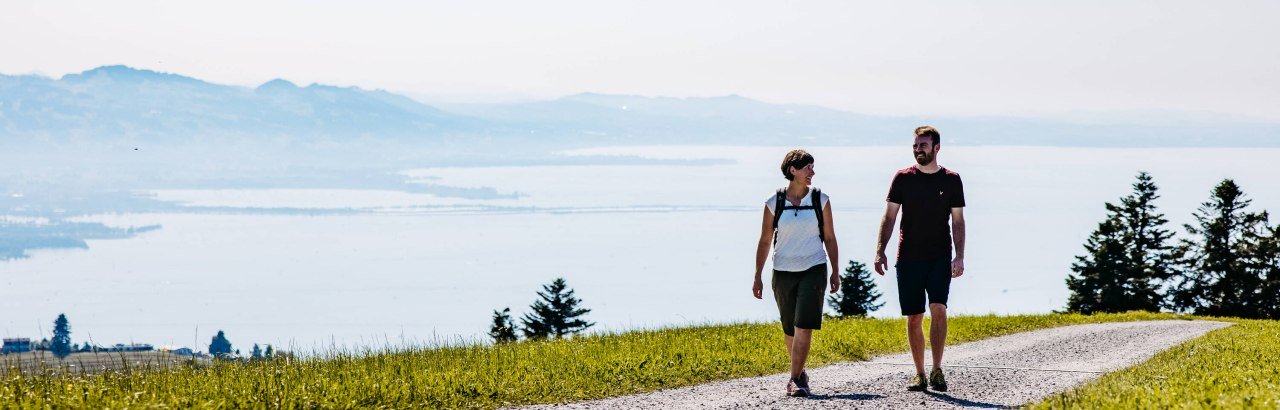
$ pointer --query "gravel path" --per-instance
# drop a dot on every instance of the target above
(1000, 372)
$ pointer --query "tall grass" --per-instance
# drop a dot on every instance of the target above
(1233, 368)
(483, 377)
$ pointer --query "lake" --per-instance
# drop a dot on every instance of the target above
(643, 245)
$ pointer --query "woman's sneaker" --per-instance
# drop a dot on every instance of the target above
(798, 386)
(918, 383)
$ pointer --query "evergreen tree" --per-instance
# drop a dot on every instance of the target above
(256, 353)
(1127, 257)
(857, 295)
(269, 353)
(1094, 285)
(61, 343)
(220, 344)
(1223, 275)
(1267, 261)
(1152, 258)
(556, 314)
(503, 328)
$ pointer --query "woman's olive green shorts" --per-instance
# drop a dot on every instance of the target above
(799, 296)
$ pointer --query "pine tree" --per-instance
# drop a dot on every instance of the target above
(1127, 257)
(270, 352)
(220, 344)
(256, 352)
(61, 343)
(1267, 263)
(1094, 285)
(857, 295)
(1222, 277)
(556, 314)
(503, 328)
(1152, 258)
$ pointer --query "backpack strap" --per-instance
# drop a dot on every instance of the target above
(815, 203)
(815, 199)
(780, 203)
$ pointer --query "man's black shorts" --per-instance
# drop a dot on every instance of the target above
(918, 278)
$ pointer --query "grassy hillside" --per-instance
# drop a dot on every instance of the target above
(494, 376)
(1233, 368)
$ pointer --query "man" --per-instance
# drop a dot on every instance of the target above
(929, 196)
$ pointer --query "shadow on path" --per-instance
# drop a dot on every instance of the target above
(966, 403)
(845, 397)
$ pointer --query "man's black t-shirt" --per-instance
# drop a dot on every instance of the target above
(926, 201)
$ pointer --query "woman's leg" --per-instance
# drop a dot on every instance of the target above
(799, 349)
(808, 315)
(784, 284)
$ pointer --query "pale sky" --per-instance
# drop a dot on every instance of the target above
(899, 58)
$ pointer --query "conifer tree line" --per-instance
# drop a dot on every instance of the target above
(61, 347)
(1226, 264)
(555, 314)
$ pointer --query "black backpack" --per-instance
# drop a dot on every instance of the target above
(781, 204)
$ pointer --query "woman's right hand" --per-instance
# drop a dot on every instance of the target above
(757, 288)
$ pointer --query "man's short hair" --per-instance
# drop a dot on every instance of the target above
(796, 158)
(928, 131)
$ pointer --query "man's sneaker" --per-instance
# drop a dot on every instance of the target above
(798, 386)
(936, 381)
(918, 383)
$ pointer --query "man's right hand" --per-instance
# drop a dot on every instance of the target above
(757, 288)
(882, 263)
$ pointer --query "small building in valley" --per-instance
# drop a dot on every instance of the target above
(15, 345)
(134, 347)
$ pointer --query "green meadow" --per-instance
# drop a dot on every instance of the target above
(485, 376)
(1233, 368)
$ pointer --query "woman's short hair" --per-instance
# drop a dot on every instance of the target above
(796, 158)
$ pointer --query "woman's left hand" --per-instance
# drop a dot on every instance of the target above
(835, 282)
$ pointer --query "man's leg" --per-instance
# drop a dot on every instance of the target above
(911, 297)
(937, 334)
(939, 287)
(915, 337)
(800, 350)
(790, 342)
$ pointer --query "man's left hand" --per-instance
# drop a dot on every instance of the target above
(957, 267)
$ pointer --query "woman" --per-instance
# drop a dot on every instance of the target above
(797, 222)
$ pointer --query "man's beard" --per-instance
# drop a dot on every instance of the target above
(924, 158)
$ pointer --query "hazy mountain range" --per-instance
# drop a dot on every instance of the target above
(114, 103)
